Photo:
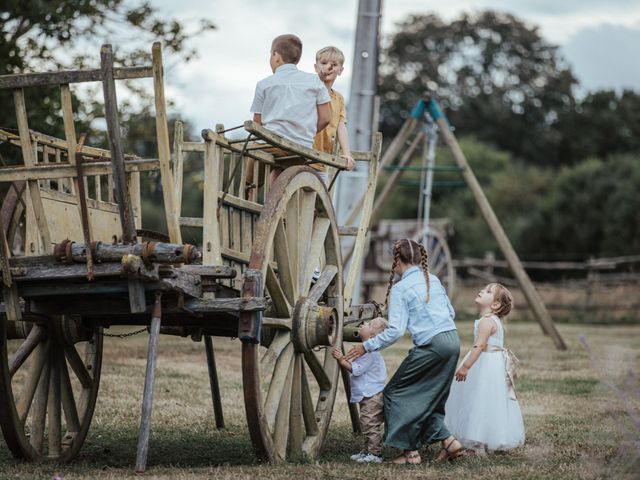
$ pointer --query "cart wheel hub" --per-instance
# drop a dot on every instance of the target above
(313, 325)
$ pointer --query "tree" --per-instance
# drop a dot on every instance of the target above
(495, 75)
(603, 123)
(41, 36)
(64, 34)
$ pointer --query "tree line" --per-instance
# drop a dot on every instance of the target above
(559, 168)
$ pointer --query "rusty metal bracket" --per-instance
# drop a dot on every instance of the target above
(250, 323)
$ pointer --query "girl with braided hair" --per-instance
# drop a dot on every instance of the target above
(415, 396)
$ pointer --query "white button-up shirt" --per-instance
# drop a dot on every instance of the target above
(287, 101)
(368, 374)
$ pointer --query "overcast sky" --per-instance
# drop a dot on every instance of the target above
(599, 38)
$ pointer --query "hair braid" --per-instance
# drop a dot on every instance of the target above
(425, 267)
(396, 259)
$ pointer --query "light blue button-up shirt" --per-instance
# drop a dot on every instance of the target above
(408, 309)
(368, 374)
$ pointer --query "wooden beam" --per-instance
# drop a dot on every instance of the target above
(30, 161)
(43, 79)
(363, 228)
(308, 153)
(164, 152)
(178, 165)
(64, 170)
(529, 291)
(211, 254)
(115, 145)
(137, 299)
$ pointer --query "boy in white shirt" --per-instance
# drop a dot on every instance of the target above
(290, 102)
(368, 374)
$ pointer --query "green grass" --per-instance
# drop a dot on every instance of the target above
(569, 416)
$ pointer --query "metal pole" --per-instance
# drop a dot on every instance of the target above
(430, 157)
(360, 115)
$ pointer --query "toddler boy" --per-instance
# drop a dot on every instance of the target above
(368, 374)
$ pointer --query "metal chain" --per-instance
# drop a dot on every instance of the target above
(124, 335)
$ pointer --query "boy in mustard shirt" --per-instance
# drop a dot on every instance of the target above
(329, 64)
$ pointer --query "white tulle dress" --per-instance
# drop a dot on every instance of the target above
(480, 412)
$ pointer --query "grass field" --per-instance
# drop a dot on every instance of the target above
(571, 417)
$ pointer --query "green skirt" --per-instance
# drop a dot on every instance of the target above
(415, 396)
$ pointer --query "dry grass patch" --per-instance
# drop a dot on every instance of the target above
(570, 430)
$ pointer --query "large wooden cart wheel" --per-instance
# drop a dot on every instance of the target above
(49, 373)
(440, 260)
(290, 378)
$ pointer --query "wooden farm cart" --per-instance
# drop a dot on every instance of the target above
(270, 271)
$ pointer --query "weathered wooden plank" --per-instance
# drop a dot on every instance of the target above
(149, 251)
(213, 381)
(214, 271)
(164, 152)
(211, 229)
(30, 161)
(63, 170)
(22, 80)
(365, 217)
(58, 272)
(178, 165)
(215, 305)
(115, 145)
(149, 381)
(281, 142)
(42, 140)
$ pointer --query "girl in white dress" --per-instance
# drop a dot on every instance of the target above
(482, 411)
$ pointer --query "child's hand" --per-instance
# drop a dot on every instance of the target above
(337, 354)
(461, 374)
(350, 161)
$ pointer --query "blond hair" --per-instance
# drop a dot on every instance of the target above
(503, 296)
(377, 325)
(331, 53)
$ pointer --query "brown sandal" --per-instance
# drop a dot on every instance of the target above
(448, 455)
(411, 458)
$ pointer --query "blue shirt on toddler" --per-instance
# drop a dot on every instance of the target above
(368, 374)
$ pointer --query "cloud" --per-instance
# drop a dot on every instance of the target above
(603, 57)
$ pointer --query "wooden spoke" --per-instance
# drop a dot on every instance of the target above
(39, 416)
(68, 401)
(268, 361)
(54, 409)
(278, 298)
(312, 256)
(318, 371)
(435, 254)
(29, 390)
(281, 428)
(277, 386)
(78, 366)
(35, 336)
(283, 259)
(293, 237)
(308, 412)
(296, 434)
(305, 230)
(326, 277)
